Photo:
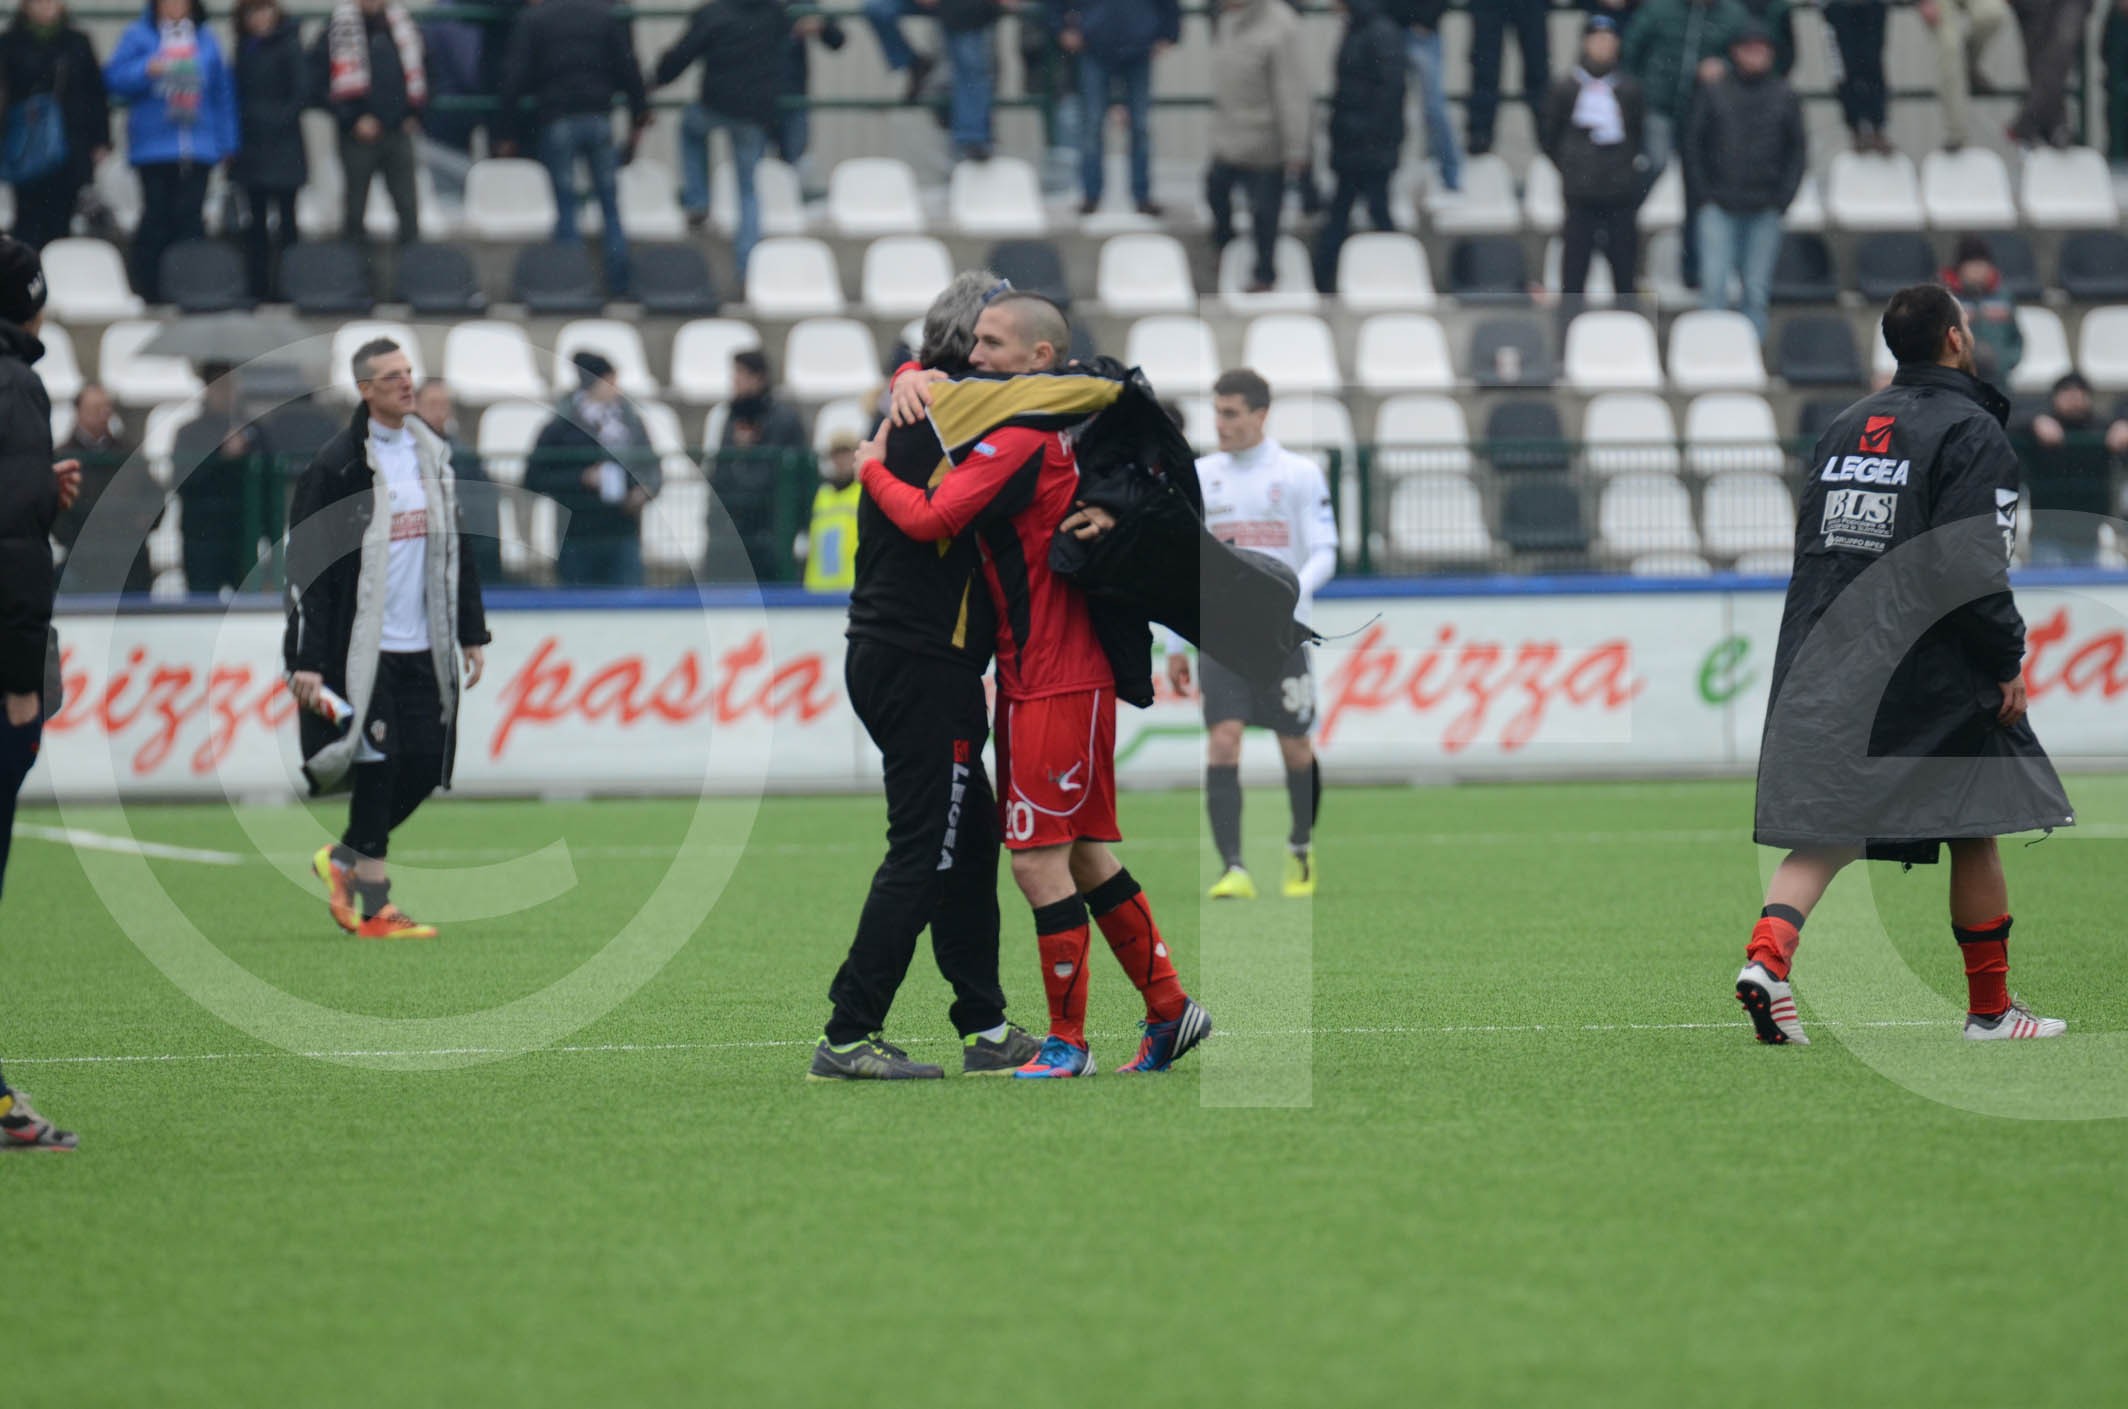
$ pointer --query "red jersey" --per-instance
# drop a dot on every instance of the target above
(1012, 489)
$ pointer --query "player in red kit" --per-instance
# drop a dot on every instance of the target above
(1056, 713)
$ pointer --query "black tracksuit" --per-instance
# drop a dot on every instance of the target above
(920, 639)
(29, 502)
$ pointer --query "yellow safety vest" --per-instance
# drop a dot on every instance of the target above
(831, 555)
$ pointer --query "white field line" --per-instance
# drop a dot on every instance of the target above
(98, 841)
(139, 1059)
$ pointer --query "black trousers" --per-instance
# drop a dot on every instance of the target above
(392, 156)
(405, 725)
(1617, 229)
(44, 208)
(264, 241)
(1337, 223)
(1859, 31)
(930, 721)
(173, 208)
(1265, 188)
(1489, 21)
(18, 753)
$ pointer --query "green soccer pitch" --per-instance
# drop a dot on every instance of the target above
(1543, 1162)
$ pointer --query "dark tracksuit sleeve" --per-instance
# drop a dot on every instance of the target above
(303, 645)
(1975, 463)
(961, 497)
(29, 502)
(472, 611)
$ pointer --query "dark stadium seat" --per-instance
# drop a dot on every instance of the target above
(1806, 271)
(557, 278)
(301, 429)
(1083, 348)
(1033, 265)
(1817, 416)
(1525, 435)
(1888, 262)
(1543, 514)
(1819, 350)
(2020, 268)
(205, 276)
(2094, 265)
(438, 280)
(1488, 267)
(326, 278)
(673, 280)
(1511, 352)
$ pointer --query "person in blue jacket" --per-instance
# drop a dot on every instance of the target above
(180, 124)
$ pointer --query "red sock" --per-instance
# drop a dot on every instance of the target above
(1774, 939)
(1061, 930)
(1986, 950)
(1126, 920)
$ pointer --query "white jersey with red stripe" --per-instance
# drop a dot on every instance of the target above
(1269, 500)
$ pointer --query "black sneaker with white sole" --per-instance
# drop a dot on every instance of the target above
(982, 1057)
(869, 1059)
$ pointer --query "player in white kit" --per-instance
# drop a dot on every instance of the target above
(1260, 496)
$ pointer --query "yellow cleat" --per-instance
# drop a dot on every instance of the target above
(1234, 885)
(1300, 874)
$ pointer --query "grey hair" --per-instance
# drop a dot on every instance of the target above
(949, 325)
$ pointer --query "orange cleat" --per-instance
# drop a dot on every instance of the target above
(339, 888)
(393, 923)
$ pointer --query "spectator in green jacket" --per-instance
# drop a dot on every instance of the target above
(1980, 287)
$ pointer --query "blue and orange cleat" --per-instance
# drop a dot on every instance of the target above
(1058, 1059)
(1164, 1042)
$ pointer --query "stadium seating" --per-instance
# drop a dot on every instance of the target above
(1403, 352)
(994, 198)
(676, 525)
(849, 413)
(903, 273)
(59, 369)
(1313, 425)
(776, 187)
(1421, 434)
(1819, 350)
(1597, 291)
(506, 435)
(205, 276)
(1664, 209)
(793, 276)
(158, 434)
(1381, 272)
(557, 279)
(830, 357)
(1543, 514)
(2017, 264)
(1886, 263)
(2068, 190)
(1806, 271)
(2102, 348)
(1198, 427)
(1293, 352)
(1612, 351)
(326, 279)
(1511, 352)
(1436, 520)
(486, 360)
(701, 358)
(349, 336)
(1543, 200)
(1732, 432)
(1488, 267)
(1968, 189)
(380, 218)
(1292, 291)
(1868, 192)
(1629, 432)
(1806, 213)
(508, 198)
(1771, 563)
(438, 281)
(1177, 354)
(300, 429)
(1712, 350)
(1487, 204)
(1817, 417)
(1747, 513)
(673, 280)
(1670, 565)
(1525, 436)
(2046, 356)
(662, 425)
(2094, 265)
(1646, 514)
(86, 282)
(649, 208)
(616, 341)
(870, 196)
(1036, 266)
(1145, 274)
(134, 379)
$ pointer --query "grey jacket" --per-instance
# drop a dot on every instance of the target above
(1261, 103)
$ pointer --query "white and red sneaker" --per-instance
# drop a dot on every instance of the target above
(23, 1129)
(2011, 1025)
(1770, 1003)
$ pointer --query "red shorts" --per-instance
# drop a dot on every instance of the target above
(1056, 767)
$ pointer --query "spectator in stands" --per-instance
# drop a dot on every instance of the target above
(126, 501)
(1489, 20)
(831, 537)
(794, 124)
(375, 80)
(595, 462)
(761, 435)
(1422, 45)
(2113, 48)
(2069, 460)
(1594, 129)
(1998, 344)
(741, 44)
(272, 89)
(180, 124)
(454, 55)
(572, 58)
(1675, 49)
(58, 119)
(1261, 123)
(969, 28)
(1747, 152)
(1366, 128)
(1620, 10)
(1963, 29)
(2054, 33)
(1858, 28)
(479, 501)
(1778, 17)
(885, 17)
(1116, 42)
(218, 453)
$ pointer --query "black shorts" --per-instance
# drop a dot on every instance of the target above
(1286, 708)
(405, 717)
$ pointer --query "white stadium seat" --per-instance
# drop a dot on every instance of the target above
(1417, 434)
(874, 196)
(650, 209)
(1612, 351)
(848, 413)
(1543, 199)
(2102, 348)
(1715, 350)
(59, 369)
(701, 357)
(509, 199)
(1630, 432)
(137, 380)
(1293, 352)
(676, 524)
(1293, 290)
(903, 273)
(1873, 192)
(793, 276)
(2046, 355)
(1747, 514)
(1403, 352)
(506, 436)
(662, 424)
(380, 218)
(2068, 190)
(486, 360)
(1487, 204)
(62, 420)
(1145, 274)
(86, 282)
(1177, 354)
(613, 339)
(1664, 209)
(1670, 565)
(1646, 514)
(1728, 432)
(830, 357)
(776, 186)
(1771, 563)
(1806, 213)
(1968, 189)
(1199, 425)
(1382, 272)
(1311, 425)
(999, 198)
(1438, 519)
(158, 434)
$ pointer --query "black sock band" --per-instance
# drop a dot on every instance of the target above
(375, 896)
(1304, 791)
(1982, 936)
(1060, 915)
(1784, 912)
(1222, 803)
(1118, 890)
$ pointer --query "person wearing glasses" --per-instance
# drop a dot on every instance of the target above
(381, 588)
